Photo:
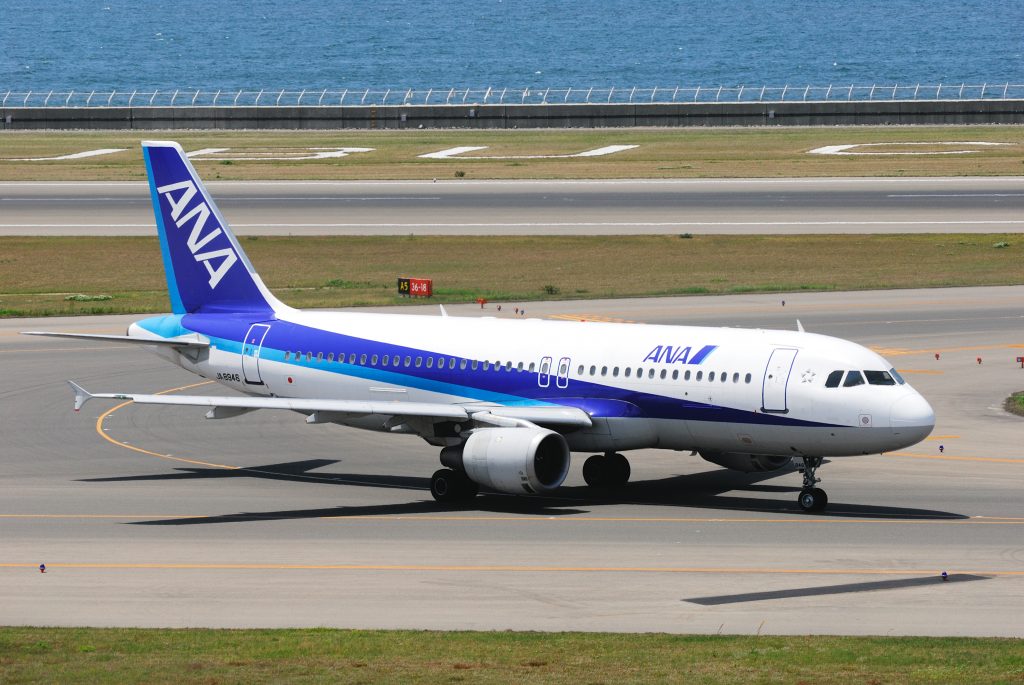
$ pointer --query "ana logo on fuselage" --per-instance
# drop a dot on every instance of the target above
(199, 214)
(669, 354)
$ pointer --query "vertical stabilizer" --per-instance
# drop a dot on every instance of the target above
(207, 271)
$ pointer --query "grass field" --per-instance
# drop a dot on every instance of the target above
(39, 275)
(662, 153)
(47, 655)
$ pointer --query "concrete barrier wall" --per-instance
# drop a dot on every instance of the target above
(519, 116)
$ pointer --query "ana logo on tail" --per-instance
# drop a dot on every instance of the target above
(199, 213)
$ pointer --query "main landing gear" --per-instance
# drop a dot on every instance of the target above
(606, 470)
(449, 485)
(811, 499)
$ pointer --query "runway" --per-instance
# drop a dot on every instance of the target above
(150, 516)
(700, 206)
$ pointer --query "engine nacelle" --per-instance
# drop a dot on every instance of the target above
(747, 463)
(512, 460)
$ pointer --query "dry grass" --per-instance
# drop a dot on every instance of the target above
(37, 274)
(663, 153)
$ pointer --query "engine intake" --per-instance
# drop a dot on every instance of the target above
(512, 460)
(747, 463)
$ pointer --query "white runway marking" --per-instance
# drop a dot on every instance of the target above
(845, 149)
(76, 155)
(458, 151)
(215, 154)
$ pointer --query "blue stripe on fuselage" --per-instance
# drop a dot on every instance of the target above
(509, 387)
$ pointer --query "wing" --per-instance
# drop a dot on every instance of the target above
(329, 411)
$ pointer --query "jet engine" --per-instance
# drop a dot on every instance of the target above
(747, 463)
(512, 460)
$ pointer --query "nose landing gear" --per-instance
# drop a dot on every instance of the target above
(811, 499)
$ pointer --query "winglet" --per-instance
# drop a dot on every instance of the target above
(81, 395)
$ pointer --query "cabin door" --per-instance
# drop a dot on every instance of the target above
(251, 347)
(776, 378)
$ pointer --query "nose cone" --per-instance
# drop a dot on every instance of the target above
(912, 418)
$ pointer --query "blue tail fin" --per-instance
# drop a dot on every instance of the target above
(207, 271)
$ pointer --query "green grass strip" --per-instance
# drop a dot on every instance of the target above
(42, 276)
(48, 655)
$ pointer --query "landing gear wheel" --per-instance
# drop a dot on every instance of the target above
(813, 499)
(447, 485)
(594, 471)
(618, 469)
(606, 471)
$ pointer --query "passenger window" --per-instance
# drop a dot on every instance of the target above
(593, 370)
(615, 371)
(373, 360)
(650, 373)
(309, 356)
(711, 375)
(833, 379)
(287, 355)
(352, 358)
(330, 357)
(462, 364)
(664, 372)
(487, 366)
(746, 378)
(639, 372)
(430, 362)
(879, 378)
(419, 362)
(475, 364)
(686, 376)
(899, 378)
(700, 374)
(736, 378)
(628, 371)
(319, 356)
(508, 366)
(533, 367)
(451, 364)
(853, 378)
(604, 370)
(362, 360)
(675, 374)
(724, 377)
(440, 362)
(396, 360)
(408, 361)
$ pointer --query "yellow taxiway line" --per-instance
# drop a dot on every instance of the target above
(502, 568)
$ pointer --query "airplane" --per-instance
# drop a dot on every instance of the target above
(507, 400)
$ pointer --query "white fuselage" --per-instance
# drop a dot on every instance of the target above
(674, 387)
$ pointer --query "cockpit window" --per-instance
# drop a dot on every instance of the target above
(879, 378)
(853, 378)
(834, 379)
(899, 378)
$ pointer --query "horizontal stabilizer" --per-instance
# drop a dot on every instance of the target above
(193, 340)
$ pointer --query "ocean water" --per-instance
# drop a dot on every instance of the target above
(129, 44)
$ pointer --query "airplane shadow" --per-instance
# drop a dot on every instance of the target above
(845, 588)
(715, 489)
